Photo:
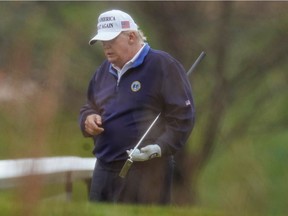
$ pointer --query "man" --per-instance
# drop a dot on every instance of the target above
(125, 95)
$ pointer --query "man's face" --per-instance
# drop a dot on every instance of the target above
(118, 51)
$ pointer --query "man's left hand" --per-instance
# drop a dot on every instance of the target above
(146, 153)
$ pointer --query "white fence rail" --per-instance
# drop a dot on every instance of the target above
(52, 169)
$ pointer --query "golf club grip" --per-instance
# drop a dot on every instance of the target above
(125, 168)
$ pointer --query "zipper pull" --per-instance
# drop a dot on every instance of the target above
(117, 85)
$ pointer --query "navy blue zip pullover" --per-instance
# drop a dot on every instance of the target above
(155, 83)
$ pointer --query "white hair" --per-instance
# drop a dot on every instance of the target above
(139, 34)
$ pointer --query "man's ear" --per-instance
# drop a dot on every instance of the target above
(132, 37)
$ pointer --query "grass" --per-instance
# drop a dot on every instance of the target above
(126, 210)
(12, 204)
(59, 208)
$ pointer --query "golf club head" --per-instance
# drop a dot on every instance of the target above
(125, 168)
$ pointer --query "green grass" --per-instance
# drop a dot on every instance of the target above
(12, 204)
(126, 210)
(57, 208)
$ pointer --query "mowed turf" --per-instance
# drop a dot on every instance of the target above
(125, 210)
(84, 208)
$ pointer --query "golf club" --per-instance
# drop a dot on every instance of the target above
(129, 161)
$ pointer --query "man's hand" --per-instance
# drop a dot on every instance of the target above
(146, 153)
(93, 124)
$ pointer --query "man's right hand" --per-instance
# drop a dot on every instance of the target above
(93, 124)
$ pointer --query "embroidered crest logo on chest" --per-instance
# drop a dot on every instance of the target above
(135, 86)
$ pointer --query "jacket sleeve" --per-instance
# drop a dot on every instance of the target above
(179, 112)
(88, 109)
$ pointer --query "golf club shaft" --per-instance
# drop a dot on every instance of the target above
(198, 60)
(144, 135)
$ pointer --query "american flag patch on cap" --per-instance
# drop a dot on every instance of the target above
(125, 24)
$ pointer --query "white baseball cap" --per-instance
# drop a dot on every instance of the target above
(111, 24)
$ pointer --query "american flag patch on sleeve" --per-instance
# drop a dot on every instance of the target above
(125, 24)
(187, 102)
